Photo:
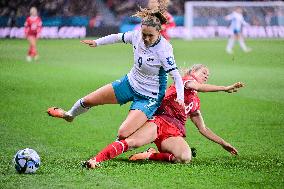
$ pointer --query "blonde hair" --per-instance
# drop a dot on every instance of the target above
(194, 68)
(154, 17)
(33, 11)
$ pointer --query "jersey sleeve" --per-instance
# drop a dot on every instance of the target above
(169, 65)
(127, 37)
(26, 26)
(167, 59)
(115, 38)
(229, 17)
(39, 28)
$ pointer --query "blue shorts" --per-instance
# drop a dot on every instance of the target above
(124, 93)
(236, 31)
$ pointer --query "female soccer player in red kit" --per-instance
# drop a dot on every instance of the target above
(154, 4)
(33, 27)
(167, 128)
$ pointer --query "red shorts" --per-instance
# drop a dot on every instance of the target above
(165, 130)
(32, 34)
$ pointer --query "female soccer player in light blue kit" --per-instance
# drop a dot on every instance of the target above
(146, 82)
(237, 21)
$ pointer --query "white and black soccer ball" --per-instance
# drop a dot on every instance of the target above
(26, 161)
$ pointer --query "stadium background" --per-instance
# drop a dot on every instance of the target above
(252, 120)
(74, 19)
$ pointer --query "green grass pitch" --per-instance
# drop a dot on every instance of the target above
(252, 120)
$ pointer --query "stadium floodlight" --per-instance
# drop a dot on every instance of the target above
(206, 18)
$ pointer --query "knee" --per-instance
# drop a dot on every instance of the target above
(184, 157)
(132, 143)
(123, 133)
(89, 102)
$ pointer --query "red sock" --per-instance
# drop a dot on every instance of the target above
(111, 151)
(30, 52)
(161, 157)
(33, 51)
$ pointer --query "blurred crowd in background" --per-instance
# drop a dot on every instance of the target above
(95, 13)
(93, 9)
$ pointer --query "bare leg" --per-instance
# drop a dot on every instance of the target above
(32, 49)
(103, 95)
(178, 147)
(145, 135)
(133, 121)
(230, 45)
(174, 149)
(242, 44)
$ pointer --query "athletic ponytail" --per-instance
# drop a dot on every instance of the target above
(154, 17)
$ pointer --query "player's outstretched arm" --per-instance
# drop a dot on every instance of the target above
(213, 88)
(110, 39)
(197, 119)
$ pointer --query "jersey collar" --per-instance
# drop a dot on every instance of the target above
(156, 42)
(193, 77)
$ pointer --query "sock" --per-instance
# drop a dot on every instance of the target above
(230, 44)
(33, 51)
(162, 157)
(242, 44)
(111, 151)
(77, 109)
(30, 52)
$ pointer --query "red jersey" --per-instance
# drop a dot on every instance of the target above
(172, 112)
(171, 24)
(33, 25)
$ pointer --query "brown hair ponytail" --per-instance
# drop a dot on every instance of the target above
(155, 18)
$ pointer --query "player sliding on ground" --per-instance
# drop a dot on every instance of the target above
(167, 128)
(144, 85)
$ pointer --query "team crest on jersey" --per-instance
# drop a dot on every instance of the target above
(170, 60)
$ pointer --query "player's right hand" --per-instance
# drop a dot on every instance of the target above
(228, 147)
(91, 43)
(235, 87)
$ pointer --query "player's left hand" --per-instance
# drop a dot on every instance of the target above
(230, 148)
(91, 43)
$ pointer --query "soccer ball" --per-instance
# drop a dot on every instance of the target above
(26, 161)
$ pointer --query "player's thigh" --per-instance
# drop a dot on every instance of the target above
(103, 95)
(237, 36)
(178, 147)
(32, 40)
(144, 135)
(134, 120)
